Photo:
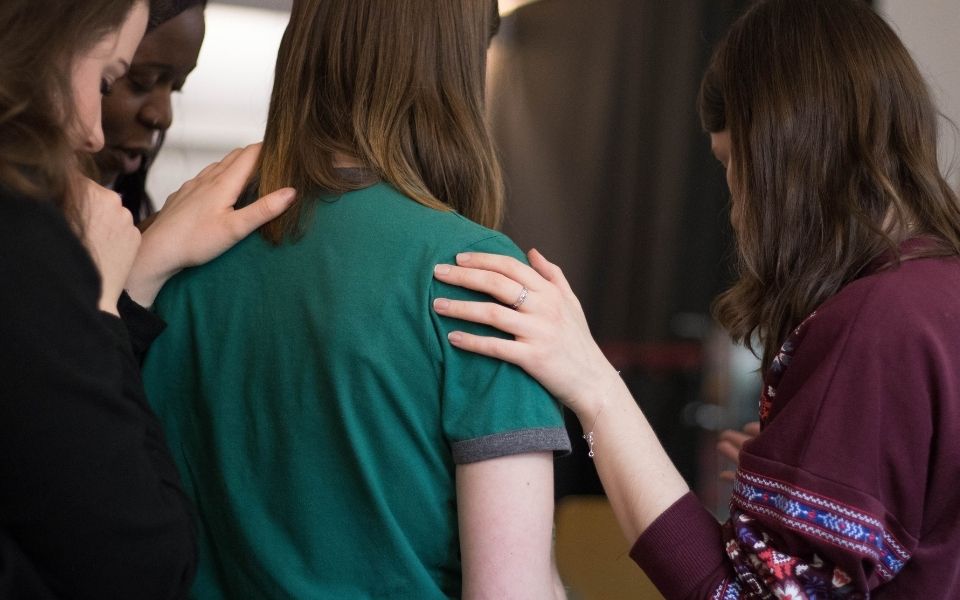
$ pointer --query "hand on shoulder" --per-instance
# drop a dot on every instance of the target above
(199, 222)
(537, 306)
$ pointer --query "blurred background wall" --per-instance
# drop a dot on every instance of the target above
(609, 174)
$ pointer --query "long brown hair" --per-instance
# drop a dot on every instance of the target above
(834, 148)
(398, 86)
(39, 40)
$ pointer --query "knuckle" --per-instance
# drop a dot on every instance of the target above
(496, 350)
(488, 279)
(454, 275)
(264, 211)
(489, 312)
(487, 346)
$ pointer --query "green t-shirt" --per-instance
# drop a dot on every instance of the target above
(316, 410)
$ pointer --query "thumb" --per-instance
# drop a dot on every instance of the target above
(263, 210)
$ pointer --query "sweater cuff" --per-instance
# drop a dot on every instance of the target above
(681, 549)
(143, 326)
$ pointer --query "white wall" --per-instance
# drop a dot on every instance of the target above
(931, 31)
(224, 103)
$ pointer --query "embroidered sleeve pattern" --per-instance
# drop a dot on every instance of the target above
(728, 590)
(779, 365)
(765, 572)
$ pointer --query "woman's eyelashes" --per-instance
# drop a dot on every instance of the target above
(142, 83)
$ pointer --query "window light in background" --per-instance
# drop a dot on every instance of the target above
(508, 6)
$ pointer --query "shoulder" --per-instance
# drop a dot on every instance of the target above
(446, 232)
(885, 335)
(22, 219)
(918, 297)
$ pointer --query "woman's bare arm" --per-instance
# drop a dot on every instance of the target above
(505, 508)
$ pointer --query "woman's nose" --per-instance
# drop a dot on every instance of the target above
(157, 113)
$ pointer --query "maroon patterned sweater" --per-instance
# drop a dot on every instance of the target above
(852, 488)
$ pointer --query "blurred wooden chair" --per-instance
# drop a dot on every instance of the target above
(592, 554)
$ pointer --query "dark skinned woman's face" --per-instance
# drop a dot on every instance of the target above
(139, 107)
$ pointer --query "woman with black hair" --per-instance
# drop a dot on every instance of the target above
(138, 112)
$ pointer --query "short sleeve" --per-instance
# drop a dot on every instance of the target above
(834, 472)
(491, 408)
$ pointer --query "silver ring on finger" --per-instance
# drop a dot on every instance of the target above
(520, 299)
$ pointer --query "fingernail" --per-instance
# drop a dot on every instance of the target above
(463, 257)
(441, 304)
(454, 337)
(441, 269)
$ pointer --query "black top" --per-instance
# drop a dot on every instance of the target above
(91, 505)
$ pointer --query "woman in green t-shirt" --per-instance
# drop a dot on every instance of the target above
(334, 446)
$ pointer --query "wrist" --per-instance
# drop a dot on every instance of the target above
(151, 269)
(590, 401)
(108, 304)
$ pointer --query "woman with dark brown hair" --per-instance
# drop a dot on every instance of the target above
(848, 239)
(91, 505)
(336, 449)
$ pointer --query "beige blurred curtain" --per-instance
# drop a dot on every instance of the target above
(593, 104)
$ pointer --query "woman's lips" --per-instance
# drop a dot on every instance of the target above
(122, 159)
(131, 160)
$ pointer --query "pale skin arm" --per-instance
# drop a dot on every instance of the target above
(198, 223)
(553, 344)
(505, 509)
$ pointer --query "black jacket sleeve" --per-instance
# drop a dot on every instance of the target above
(143, 326)
(89, 495)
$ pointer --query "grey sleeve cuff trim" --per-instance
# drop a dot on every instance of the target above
(519, 441)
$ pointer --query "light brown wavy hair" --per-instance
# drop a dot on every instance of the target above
(397, 85)
(39, 41)
(834, 148)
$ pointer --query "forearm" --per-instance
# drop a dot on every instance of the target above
(639, 478)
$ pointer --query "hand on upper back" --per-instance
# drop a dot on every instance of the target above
(199, 222)
(111, 238)
(731, 442)
(552, 339)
